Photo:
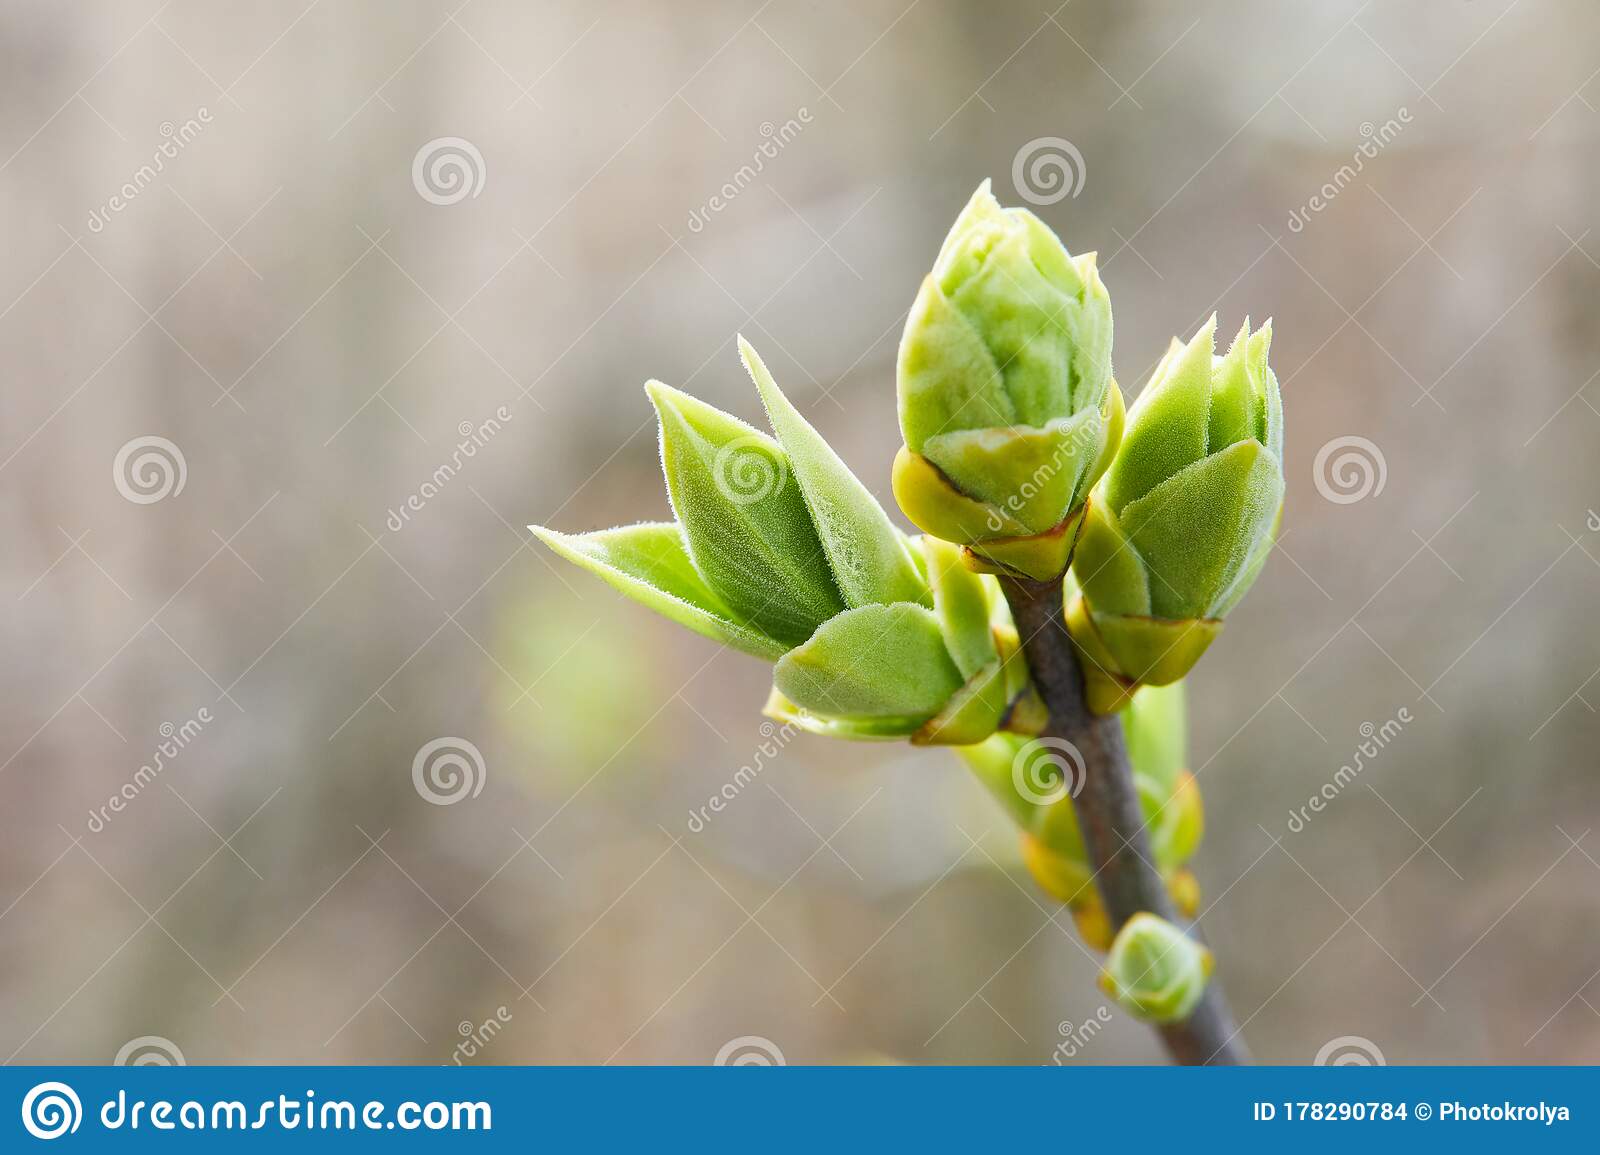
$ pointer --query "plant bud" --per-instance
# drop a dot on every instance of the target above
(1184, 518)
(1007, 404)
(1156, 971)
(781, 552)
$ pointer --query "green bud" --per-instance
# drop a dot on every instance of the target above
(1007, 405)
(1184, 519)
(779, 551)
(1155, 970)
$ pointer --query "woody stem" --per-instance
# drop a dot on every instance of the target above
(1107, 808)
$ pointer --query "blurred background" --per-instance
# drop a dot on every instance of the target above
(264, 264)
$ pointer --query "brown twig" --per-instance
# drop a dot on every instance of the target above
(1108, 810)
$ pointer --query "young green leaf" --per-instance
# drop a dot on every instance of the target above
(649, 564)
(869, 557)
(870, 662)
(744, 521)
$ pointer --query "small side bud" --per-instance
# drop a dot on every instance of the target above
(1156, 971)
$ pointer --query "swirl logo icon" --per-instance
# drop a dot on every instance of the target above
(447, 770)
(1046, 770)
(1348, 469)
(150, 1051)
(750, 1051)
(748, 470)
(1350, 1051)
(148, 469)
(51, 1110)
(447, 170)
(1048, 169)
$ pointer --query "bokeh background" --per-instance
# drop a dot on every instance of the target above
(284, 306)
